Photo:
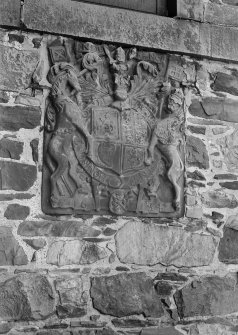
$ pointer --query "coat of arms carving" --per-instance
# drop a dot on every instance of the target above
(113, 140)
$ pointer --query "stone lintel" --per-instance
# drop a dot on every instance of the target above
(10, 13)
(118, 25)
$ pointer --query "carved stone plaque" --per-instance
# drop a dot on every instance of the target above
(113, 141)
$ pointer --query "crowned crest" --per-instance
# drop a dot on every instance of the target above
(112, 133)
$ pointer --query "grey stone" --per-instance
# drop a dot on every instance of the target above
(148, 6)
(228, 247)
(230, 185)
(202, 328)
(191, 9)
(36, 244)
(197, 130)
(16, 68)
(16, 38)
(4, 98)
(126, 294)
(20, 196)
(10, 149)
(226, 83)
(73, 297)
(34, 147)
(222, 15)
(229, 148)
(11, 253)
(149, 244)
(231, 2)
(13, 118)
(171, 276)
(219, 199)
(160, 331)
(16, 212)
(17, 177)
(163, 288)
(57, 229)
(62, 253)
(10, 13)
(196, 153)
(227, 176)
(133, 323)
(215, 108)
(197, 175)
(210, 295)
(26, 297)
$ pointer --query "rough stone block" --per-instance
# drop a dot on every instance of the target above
(221, 15)
(16, 212)
(126, 294)
(215, 108)
(11, 253)
(226, 83)
(229, 148)
(16, 68)
(14, 118)
(10, 13)
(219, 199)
(57, 229)
(191, 9)
(17, 177)
(74, 252)
(36, 244)
(208, 296)
(196, 153)
(149, 244)
(27, 297)
(160, 331)
(10, 149)
(228, 247)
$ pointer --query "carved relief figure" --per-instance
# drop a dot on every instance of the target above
(113, 133)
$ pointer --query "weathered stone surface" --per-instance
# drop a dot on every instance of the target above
(34, 147)
(215, 109)
(11, 253)
(73, 297)
(10, 13)
(16, 68)
(133, 323)
(196, 153)
(126, 294)
(191, 9)
(228, 145)
(16, 212)
(10, 149)
(17, 177)
(211, 329)
(160, 331)
(27, 100)
(4, 98)
(227, 176)
(208, 296)
(57, 229)
(74, 252)
(14, 118)
(195, 212)
(171, 276)
(197, 175)
(219, 199)
(16, 38)
(228, 247)
(163, 288)
(226, 83)
(230, 185)
(140, 5)
(20, 196)
(209, 12)
(148, 244)
(36, 244)
(26, 297)
(197, 130)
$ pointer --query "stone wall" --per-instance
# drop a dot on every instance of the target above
(113, 275)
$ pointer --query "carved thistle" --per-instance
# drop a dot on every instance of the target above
(113, 132)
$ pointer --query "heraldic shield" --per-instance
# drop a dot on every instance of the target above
(113, 142)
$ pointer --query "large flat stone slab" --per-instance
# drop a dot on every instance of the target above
(10, 12)
(208, 296)
(126, 294)
(131, 27)
(149, 244)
